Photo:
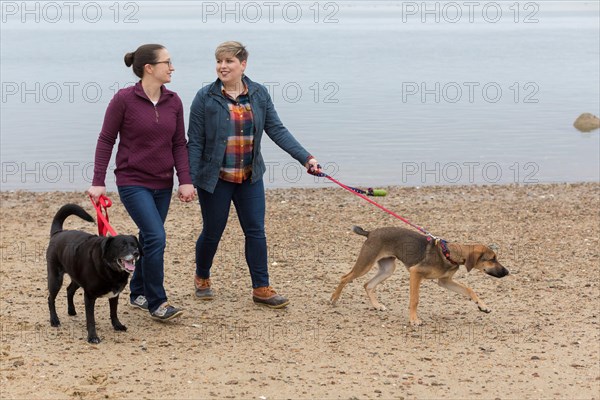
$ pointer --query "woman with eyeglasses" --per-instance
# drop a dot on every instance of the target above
(148, 119)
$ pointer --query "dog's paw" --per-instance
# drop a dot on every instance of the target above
(93, 339)
(484, 309)
(72, 311)
(55, 322)
(380, 307)
(416, 322)
(119, 327)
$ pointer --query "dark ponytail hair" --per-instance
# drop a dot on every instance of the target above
(145, 54)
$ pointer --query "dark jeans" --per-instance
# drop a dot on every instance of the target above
(249, 201)
(148, 208)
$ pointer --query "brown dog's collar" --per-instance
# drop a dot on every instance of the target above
(444, 247)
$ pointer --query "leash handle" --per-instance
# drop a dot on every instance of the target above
(368, 192)
(104, 228)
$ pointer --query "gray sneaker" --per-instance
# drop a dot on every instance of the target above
(166, 312)
(140, 302)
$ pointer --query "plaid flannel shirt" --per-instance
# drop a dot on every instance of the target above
(237, 163)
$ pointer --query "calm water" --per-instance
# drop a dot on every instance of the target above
(383, 93)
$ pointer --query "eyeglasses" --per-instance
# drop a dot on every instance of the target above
(168, 62)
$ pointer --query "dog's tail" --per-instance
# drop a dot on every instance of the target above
(64, 212)
(360, 231)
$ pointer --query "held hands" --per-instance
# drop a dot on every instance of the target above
(96, 192)
(186, 192)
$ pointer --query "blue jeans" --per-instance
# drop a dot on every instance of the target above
(148, 208)
(249, 201)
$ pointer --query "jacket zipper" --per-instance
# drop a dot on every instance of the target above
(156, 113)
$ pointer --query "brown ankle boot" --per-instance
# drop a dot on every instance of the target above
(267, 296)
(203, 288)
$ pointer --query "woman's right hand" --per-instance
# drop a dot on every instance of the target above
(96, 192)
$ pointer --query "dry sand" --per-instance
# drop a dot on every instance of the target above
(540, 341)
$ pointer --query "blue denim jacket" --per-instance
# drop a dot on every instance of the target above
(210, 127)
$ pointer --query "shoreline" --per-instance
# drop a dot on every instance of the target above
(330, 185)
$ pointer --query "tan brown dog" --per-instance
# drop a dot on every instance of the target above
(424, 259)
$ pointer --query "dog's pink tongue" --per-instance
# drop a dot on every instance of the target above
(129, 266)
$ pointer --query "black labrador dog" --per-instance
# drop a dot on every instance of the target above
(100, 265)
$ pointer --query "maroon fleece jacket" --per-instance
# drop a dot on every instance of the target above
(151, 140)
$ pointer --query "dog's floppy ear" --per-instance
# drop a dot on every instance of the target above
(106, 245)
(139, 246)
(474, 254)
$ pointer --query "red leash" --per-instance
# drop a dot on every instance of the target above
(430, 237)
(351, 190)
(104, 228)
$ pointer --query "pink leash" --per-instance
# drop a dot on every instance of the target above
(362, 196)
(430, 237)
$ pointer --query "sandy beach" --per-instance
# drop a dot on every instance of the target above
(541, 341)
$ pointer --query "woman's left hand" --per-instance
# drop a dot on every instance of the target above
(313, 166)
(186, 192)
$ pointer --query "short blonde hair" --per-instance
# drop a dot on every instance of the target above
(236, 49)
